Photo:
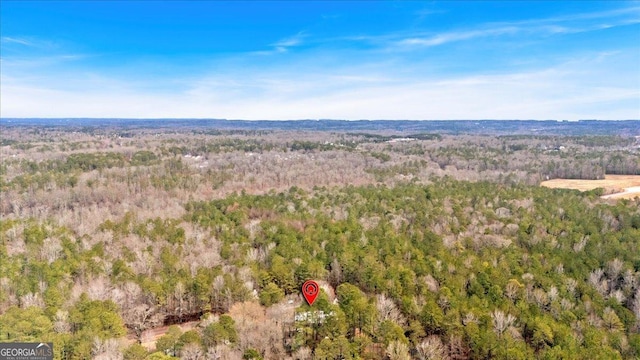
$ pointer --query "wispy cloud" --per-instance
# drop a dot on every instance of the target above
(15, 40)
(27, 64)
(631, 10)
(27, 42)
(561, 91)
(576, 23)
(427, 12)
(457, 36)
(345, 75)
(284, 44)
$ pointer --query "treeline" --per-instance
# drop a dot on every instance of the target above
(64, 173)
(524, 159)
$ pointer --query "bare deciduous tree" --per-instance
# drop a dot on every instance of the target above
(31, 299)
(191, 351)
(388, 310)
(222, 352)
(501, 321)
(108, 349)
(431, 283)
(512, 289)
(335, 275)
(596, 280)
(304, 353)
(431, 348)
(397, 350)
(256, 331)
(614, 269)
(61, 323)
(141, 317)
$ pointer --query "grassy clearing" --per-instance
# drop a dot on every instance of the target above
(615, 186)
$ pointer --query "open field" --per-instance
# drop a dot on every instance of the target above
(616, 186)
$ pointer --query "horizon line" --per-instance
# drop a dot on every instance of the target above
(308, 119)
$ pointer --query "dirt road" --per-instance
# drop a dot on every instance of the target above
(628, 193)
(149, 337)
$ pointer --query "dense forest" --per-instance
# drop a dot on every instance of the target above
(426, 245)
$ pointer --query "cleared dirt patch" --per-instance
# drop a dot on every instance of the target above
(150, 336)
(615, 186)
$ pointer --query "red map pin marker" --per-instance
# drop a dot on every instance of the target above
(310, 290)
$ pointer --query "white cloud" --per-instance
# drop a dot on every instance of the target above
(13, 40)
(26, 43)
(571, 24)
(290, 41)
(631, 10)
(583, 88)
(457, 36)
(283, 45)
(602, 85)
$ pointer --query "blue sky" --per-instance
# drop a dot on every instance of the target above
(310, 60)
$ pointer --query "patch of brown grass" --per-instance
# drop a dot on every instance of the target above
(611, 184)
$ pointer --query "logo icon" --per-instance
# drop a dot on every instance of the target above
(26, 351)
(45, 345)
(310, 290)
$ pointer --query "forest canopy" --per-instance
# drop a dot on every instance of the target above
(441, 247)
